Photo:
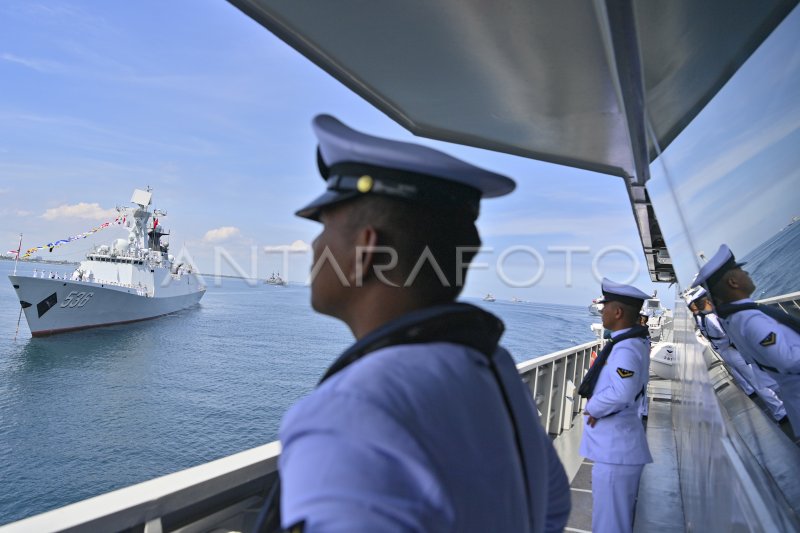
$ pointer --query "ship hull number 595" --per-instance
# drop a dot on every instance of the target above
(77, 299)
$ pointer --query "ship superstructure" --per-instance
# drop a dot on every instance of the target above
(134, 278)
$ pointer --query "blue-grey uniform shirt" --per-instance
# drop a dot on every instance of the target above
(764, 340)
(618, 436)
(416, 437)
(721, 341)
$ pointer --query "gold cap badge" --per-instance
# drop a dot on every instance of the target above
(364, 183)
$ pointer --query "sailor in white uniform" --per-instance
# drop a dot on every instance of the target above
(752, 380)
(424, 423)
(768, 337)
(613, 436)
(718, 340)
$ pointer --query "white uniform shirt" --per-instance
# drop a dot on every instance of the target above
(417, 438)
(618, 436)
(766, 340)
(721, 342)
(770, 343)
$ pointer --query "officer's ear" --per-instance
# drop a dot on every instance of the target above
(365, 241)
(731, 279)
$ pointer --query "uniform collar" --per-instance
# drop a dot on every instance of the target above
(458, 323)
(620, 332)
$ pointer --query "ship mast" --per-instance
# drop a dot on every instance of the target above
(141, 216)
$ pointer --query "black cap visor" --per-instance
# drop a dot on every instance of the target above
(327, 199)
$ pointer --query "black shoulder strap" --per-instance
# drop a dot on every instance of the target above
(640, 393)
(705, 329)
(726, 310)
(586, 388)
(458, 323)
(782, 317)
(268, 519)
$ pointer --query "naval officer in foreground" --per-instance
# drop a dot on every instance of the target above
(613, 437)
(423, 424)
(768, 337)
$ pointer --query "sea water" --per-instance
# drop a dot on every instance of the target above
(87, 412)
(774, 265)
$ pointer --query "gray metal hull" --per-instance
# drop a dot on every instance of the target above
(56, 306)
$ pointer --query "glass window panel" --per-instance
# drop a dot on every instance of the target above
(733, 175)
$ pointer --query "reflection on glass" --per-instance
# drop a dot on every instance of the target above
(733, 175)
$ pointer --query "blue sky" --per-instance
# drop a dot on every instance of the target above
(213, 112)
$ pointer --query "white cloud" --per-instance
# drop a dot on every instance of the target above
(221, 234)
(296, 246)
(35, 64)
(81, 210)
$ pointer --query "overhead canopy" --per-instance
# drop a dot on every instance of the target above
(566, 82)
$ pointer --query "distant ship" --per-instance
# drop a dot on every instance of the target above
(593, 308)
(789, 225)
(659, 318)
(488, 298)
(132, 279)
(276, 279)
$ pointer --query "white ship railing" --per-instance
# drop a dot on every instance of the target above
(553, 379)
(789, 303)
(227, 494)
(141, 290)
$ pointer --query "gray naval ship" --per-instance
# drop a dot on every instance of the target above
(609, 86)
(132, 279)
